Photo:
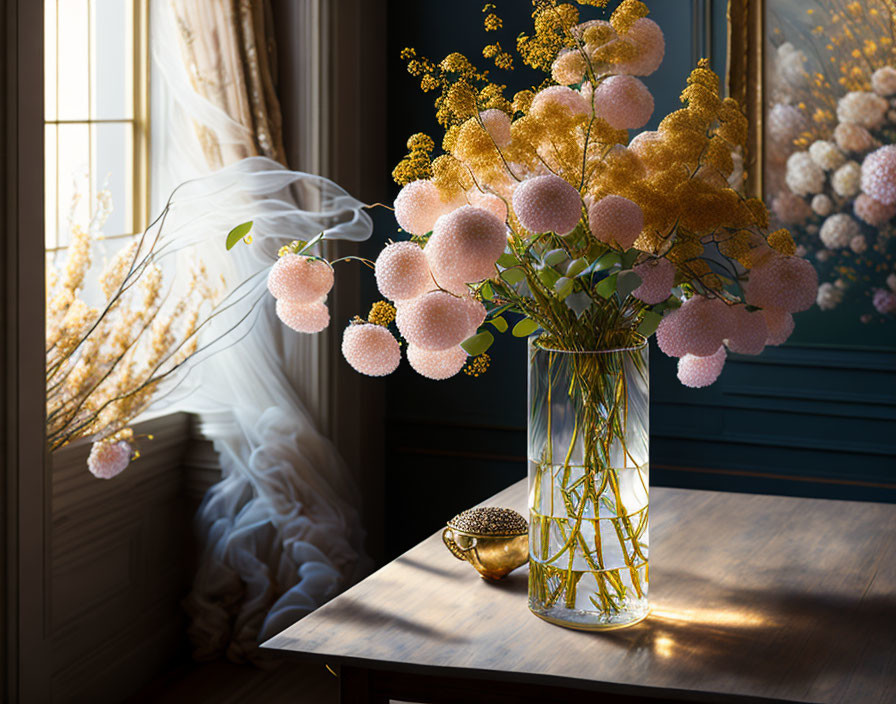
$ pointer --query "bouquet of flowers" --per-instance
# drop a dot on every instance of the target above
(543, 208)
(832, 124)
(544, 217)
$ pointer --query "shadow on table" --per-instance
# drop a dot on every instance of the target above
(763, 634)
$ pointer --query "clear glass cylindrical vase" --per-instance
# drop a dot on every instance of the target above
(588, 486)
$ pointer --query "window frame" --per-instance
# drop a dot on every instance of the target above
(140, 122)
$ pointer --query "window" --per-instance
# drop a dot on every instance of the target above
(96, 125)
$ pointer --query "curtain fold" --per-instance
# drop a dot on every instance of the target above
(280, 532)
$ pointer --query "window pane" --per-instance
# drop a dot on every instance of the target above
(50, 196)
(113, 171)
(50, 60)
(74, 164)
(112, 39)
(73, 62)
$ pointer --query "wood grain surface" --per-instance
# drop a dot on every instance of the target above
(752, 597)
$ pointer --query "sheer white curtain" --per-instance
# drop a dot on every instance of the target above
(281, 531)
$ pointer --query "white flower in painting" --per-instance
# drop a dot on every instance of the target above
(883, 81)
(803, 176)
(846, 181)
(826, 155)
(792, 64)
(838, 230)
(822, 205)
(829, 296)
(862, 108)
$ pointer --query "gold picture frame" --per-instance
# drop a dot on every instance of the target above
(745, 67)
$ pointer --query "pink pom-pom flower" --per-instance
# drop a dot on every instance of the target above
(750, 331)
(884, 301)
(624, 102)
(647, 36)
(547, 204)
(465, 245)
(370, 349)
(434, 321)
(871, 211)
(476, 313)
(697, 372)
(657, 279)
(697, 328)
(418, 205)
(437, 365)
(616, 219)
(109, 459)
(402, 272)
(303, 317)
(559, 95)
(787, 283)
(879, 175)
(497, 124)
(300, 279)
(780, 326)
(489, 202)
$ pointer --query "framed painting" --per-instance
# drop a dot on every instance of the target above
(817, 79)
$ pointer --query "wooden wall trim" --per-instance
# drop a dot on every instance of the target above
(23, 338)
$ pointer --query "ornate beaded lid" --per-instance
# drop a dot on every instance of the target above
(489, 520)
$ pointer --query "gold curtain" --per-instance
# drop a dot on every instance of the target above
(229, 52)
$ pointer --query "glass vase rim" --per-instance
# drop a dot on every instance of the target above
(640, 344)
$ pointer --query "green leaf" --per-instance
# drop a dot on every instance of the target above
(487, 291)
(549, 277)
(508, 260)
(607, 261)
(626, 282)
(237, 233)
(628, 259)
(513, 276)
(649, 323)
(576, 267)
(478, 344)
(499, 323)
(555, 256)
(578, 302)
(563, 287)
(607, 287)
(524, 328)
(310, 243)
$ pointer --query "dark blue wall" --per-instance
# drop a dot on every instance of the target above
(807, 419)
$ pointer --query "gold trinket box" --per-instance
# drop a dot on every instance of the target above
(494, 540)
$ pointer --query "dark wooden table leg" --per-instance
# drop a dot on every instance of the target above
(356, 687)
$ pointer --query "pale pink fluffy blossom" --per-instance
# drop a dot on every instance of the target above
(879, 175)
(858, 244)
(698, 372)
(434, 321)
(657, 278)
(559, 95)
(883, 81)
(300, 279)
(780, 325)
(401, 271)
(853, 138)
(370, 349)
(616, 219)
(786, 283)
(862, 108)
(547, 204)
(438, 365)
(790, 209)
(465, 245)
(698, 327)
(489, 202)
(418, 205)
(109, 459)
(303, 317)
(750, 331)
(829, 296)
(568, 67)
(497, 124)
(648, 38)
(475, 313)
(624, 102)
(884, 301)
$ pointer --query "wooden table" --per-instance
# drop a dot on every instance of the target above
(753, 599)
